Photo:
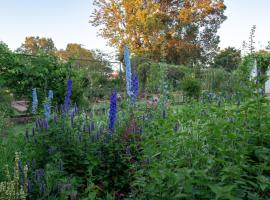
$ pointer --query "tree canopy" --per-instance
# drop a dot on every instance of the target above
(228, 58)
(179, 31)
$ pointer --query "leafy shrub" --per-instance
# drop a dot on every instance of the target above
(207, 152)
(191, 87)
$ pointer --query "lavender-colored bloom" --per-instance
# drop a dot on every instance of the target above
(67, 101)
(34, 100)
(113, 111)
(128, 70)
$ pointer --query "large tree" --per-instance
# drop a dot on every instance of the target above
(180, 31)
(37, 45)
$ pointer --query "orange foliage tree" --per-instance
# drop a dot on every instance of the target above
(179, 31)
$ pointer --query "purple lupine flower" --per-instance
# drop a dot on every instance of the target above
(34, 100)
(113, 111)
(135, 87)
(67, 101)
(128, 70)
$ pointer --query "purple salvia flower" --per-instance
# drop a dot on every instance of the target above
(113, 111)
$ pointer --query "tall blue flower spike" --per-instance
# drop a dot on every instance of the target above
(113, 111)
(128, 70)
(34, 101)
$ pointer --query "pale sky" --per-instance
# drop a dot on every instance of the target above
(66, 21)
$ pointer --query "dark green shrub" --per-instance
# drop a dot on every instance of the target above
(191, 87)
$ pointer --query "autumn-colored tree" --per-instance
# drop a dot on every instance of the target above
(75, 51)
(36, 45)
(180, 31)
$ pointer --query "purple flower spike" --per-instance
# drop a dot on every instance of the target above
(113, 111)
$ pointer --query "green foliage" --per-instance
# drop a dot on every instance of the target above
(191, 87)
(150, 74)
(203, 151)
(228, 59)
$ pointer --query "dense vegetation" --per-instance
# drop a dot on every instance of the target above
(183, 120)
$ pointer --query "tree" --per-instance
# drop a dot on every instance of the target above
(179, 31)
(36, 45)
(75, 51)
(229, 59)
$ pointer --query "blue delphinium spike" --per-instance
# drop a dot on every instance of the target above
(34, 100)
(47, 109)
(128, 70)
(67, 101)
(113, 111)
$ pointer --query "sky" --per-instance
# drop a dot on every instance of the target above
(66, 21)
